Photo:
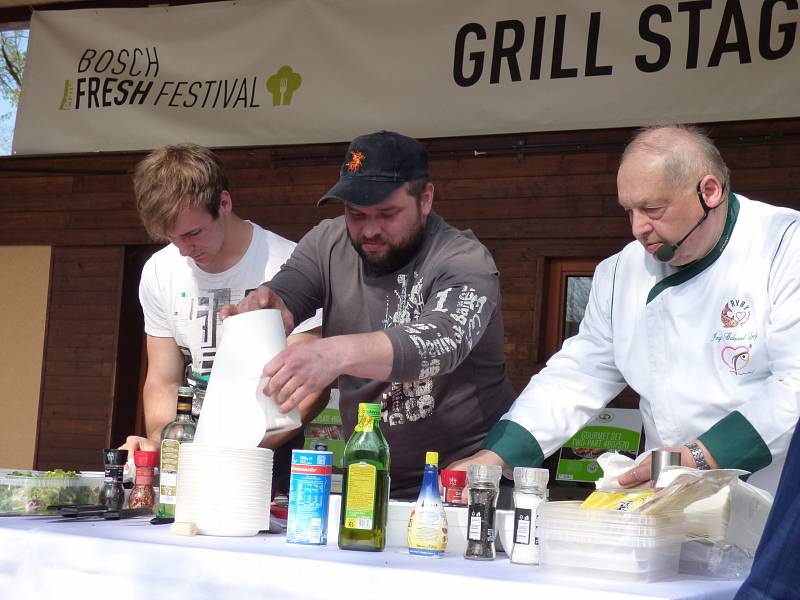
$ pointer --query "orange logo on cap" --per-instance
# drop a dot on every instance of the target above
(356, 158)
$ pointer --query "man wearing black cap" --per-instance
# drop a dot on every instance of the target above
(411, 312)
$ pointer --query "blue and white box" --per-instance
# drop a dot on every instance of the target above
(309, 493)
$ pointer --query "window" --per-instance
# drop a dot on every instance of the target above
(569, 281)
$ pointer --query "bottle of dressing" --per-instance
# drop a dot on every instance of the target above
(427, 526)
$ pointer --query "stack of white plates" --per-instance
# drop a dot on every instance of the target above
(224, 491)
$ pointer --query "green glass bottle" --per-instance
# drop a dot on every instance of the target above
(365, 492)
(172, 436)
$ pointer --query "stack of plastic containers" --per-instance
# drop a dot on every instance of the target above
(609, 543)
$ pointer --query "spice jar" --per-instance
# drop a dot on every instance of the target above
(142, 495)
(530, 490)
(453, 483)
(112, 494)
(483, 488)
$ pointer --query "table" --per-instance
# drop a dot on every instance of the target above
(53, 558)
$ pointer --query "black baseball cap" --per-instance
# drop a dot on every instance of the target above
(376, 165)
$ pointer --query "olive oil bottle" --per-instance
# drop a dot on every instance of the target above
(365, 493)
(172, 436)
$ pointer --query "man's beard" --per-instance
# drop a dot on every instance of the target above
(396, 255)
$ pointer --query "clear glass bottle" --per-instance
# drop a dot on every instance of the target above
(483, 487)
(530, 490)
(365, 494)
(172, 436)
(427, 525)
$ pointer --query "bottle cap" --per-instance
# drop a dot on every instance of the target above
(484, 474)
(455, 479)
(186, 392)
(145, 458)
(525, 477)
(432, 458)
(114, 456)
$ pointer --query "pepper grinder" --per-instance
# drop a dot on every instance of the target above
(112, 495)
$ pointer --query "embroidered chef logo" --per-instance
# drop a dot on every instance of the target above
(735, 313)
(736, 358)
(356, 160)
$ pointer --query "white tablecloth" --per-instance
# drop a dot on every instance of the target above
(49, 558)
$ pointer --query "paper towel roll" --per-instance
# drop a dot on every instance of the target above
(235, 412)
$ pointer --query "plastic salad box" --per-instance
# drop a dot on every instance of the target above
(31, 492)
(609, 543)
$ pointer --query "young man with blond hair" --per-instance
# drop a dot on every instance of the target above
(213, 258)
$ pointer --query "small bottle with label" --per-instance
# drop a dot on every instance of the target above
(453, 483)
(112, 494)
(530, 490)
(172, 436)
(365, 495)
(427, 526)
(483, 486)
(142, 494)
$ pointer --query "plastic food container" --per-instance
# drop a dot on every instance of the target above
(31, 492)
(608, 543)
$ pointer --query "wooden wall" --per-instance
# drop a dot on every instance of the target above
(528, 197)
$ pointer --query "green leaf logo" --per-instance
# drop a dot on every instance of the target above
(282, 85)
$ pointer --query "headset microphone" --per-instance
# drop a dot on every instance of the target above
(667, 251)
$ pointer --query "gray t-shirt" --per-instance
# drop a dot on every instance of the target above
(441, 312)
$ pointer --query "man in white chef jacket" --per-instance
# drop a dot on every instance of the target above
(700, 315)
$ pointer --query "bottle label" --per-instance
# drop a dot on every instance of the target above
(113, 474)
(453, 495)
(476, 517)
(522, 526)
(360, 501)
(427, 530)
(169, 471)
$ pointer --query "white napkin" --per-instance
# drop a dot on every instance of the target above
(236, 413)
(613, 464)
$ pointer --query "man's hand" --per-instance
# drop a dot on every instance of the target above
(261, 297)
(134, 442)
(302, 369)
(482, 457)
(641, 473)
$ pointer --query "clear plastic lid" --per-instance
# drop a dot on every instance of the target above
(484, 475)
(531, 479)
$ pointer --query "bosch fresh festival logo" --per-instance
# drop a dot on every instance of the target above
(108, 79)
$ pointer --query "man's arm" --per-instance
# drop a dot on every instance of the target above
(579, 380)
(307, 368)
(164, 375)
(309, 407)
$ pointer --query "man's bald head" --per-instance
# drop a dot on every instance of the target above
(685, 153)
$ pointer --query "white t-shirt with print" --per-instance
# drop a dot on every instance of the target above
(181, 301)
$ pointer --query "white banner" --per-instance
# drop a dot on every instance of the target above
(301, 71)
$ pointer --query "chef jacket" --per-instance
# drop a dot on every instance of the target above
(712, 348)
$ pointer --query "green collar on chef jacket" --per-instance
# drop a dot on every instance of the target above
(701, 265)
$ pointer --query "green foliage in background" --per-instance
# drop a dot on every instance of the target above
(13, 45)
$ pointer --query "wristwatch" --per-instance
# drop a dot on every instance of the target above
(699, 457)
